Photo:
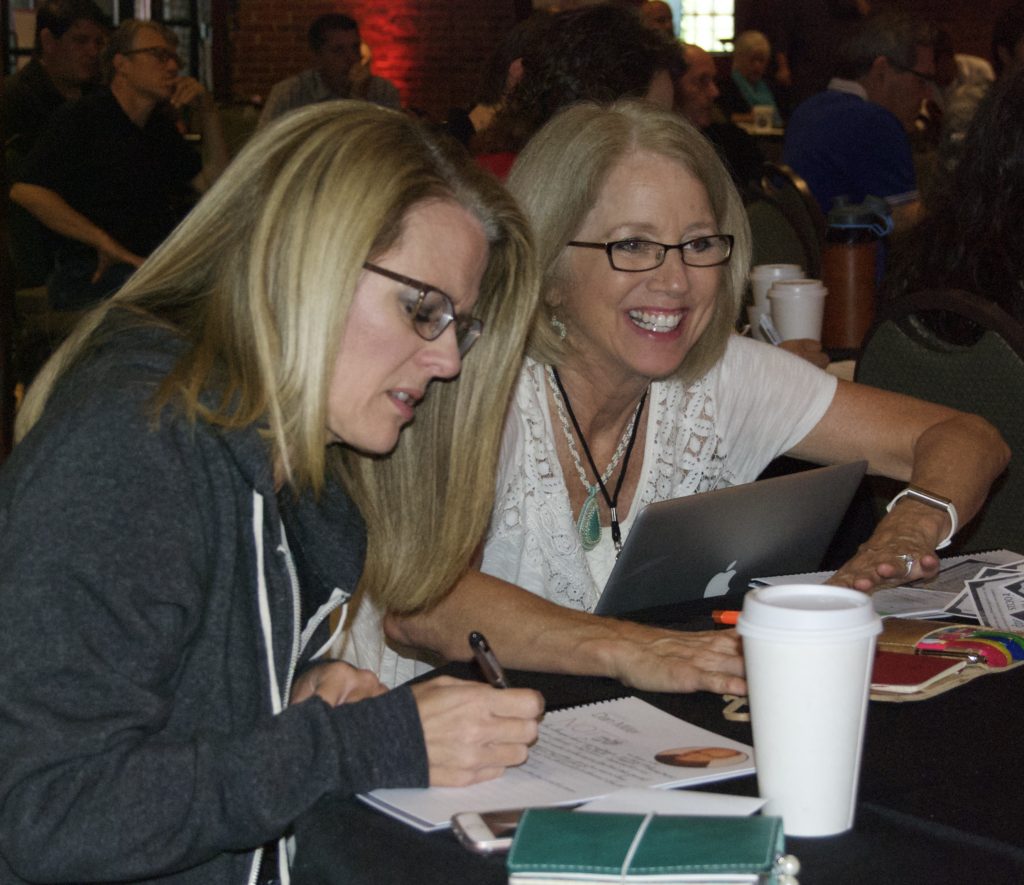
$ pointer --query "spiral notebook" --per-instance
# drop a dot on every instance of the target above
(583, 753)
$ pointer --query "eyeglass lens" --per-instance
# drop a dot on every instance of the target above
(636, 255)
(432, 312)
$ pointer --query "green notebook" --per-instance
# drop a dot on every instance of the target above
(556, 845)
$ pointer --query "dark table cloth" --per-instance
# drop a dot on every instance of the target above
(938, 802)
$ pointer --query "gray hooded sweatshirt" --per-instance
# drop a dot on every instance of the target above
(156, 599)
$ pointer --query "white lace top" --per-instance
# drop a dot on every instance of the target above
(721, 430)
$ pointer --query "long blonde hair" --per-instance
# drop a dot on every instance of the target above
(258, 280)
(558, 178)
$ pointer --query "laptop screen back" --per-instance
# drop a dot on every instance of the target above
(713, 544)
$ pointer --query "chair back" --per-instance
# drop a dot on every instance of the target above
(774, 238)
(802, 211)
(981, 371)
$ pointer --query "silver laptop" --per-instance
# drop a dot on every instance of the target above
(714, 543)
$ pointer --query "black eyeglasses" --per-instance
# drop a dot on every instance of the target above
(924, 78)
(635, 255)
(432, 311)
(160, 53)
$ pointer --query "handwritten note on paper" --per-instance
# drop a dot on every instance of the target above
(583, 753)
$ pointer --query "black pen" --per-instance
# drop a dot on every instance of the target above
(492, 670)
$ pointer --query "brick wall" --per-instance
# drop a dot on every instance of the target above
(432, 50)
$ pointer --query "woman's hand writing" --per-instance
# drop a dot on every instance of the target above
(474, 732)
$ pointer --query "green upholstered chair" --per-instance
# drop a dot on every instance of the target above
(801, 209)
(960, 350)
(775, 239)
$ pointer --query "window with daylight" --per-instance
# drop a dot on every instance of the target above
(708, 23)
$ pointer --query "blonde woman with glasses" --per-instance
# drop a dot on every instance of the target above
(205, 471)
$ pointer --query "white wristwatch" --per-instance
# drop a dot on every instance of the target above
(932, 500)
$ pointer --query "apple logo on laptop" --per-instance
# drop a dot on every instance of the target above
(719, 584)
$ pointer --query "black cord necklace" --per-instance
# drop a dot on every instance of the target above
(611, 500)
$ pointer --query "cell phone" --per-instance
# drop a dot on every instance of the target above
(488, 832)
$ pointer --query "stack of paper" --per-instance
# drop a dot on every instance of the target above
(988, 587)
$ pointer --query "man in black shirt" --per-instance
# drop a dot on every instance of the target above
(70, 35)
(112, 175)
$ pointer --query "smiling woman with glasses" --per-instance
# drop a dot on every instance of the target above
(636, 389)
(206, 471)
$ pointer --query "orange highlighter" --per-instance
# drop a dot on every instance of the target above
(725, 617)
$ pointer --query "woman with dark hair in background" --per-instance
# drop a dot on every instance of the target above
(972, 236)
(597, 53)
(503, 71)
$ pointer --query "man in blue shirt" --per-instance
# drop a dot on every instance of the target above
(851, 139)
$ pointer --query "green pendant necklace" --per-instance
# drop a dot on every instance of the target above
(589, 522)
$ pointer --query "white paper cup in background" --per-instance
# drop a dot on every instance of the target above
(764, 116)
(763, 275)
(798, 308)
(808, 651)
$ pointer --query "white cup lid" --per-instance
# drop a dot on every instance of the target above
(809, 609)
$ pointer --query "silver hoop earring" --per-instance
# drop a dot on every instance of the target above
(559, 326)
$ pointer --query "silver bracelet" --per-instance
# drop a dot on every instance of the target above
(932, 500)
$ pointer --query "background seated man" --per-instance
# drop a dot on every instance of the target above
(337, 72)
(851, 140)
(70, 35)
(695, 94)
(131, 176)
(657, 15)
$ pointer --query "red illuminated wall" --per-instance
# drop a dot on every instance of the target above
(432, 50)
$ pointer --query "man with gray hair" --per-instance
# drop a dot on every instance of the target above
(851, 140)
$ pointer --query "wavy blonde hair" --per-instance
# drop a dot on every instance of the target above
(558, 178)
(258, 281)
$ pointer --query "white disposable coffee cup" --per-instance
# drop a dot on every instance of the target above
(762, 276)
(808, 651)
(764, 116)
(798, 308)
